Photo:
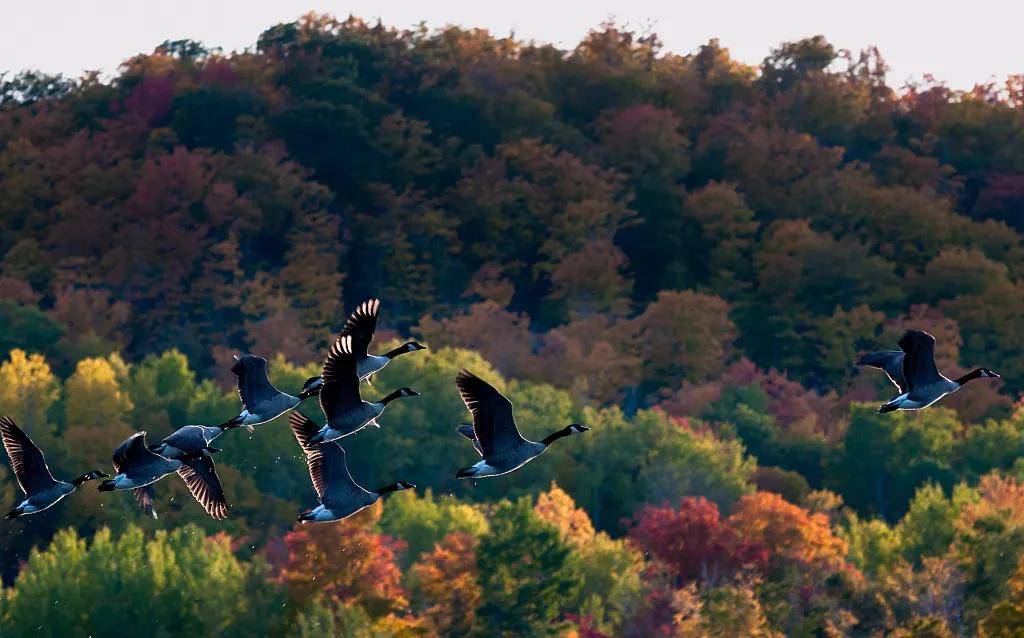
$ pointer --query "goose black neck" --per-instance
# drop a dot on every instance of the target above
(554, 436)
(397, 394)
(400, 350)
(970, 376)
(88, 476)
(392, 487)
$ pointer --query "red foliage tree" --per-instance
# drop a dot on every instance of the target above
(693, 542)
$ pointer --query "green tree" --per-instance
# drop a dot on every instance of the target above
(422, 521)
(527, 573)
(179, 581)
(161, 388)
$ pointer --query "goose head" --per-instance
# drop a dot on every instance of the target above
(89, 476)
(397, 486)
(311, 387)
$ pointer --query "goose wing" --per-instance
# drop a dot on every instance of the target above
(144, 497)
(200, 476)
(27, 460)
(253, 382)
(360, 326)
(340, 392)
(493, 422)
(328, 469)
(467, 431)
(919, 359)
(890, 362)
(187, 438)
(133, 452)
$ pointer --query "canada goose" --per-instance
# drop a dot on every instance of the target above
(494, 433)
(29, 466)
(340, 496)
(360, 326)
(346, 411)
(138, 466)
(912, 369)
(261, 401)
(189, 441)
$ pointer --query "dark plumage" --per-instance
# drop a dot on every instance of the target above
(340, 496)
(261, 401)
(360, 326)
(494, 432)
(34, 478)
(912, 369)
(346, 411)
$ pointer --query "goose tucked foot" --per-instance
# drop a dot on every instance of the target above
(888, 407)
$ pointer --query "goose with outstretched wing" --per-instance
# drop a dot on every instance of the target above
(340, 496)
(913, 371)
(41, 490)
(494, 432)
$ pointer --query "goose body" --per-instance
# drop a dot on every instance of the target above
(912, 369)
(42, 491)
(494, 432)
(137, 466)
(189, 441)
(340, 400)
(360, 326)
(340, 496)
(261, 401)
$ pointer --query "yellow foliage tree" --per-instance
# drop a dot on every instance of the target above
(557, 508)
(95, 408)
(28, 389)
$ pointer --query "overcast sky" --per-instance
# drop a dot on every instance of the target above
(958, 42)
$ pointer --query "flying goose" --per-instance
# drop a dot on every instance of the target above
(912, 369)
(190, 441)
(29, 466)
(138, 466)
(340, 496)
(345, 410)
(360, 326)
(494, 433)
(261, 401)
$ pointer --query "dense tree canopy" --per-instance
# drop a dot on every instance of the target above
(682, 251)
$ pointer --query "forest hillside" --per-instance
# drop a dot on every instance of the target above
(684, 252)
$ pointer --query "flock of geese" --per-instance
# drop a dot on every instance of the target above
(189, 451)
(494, 434)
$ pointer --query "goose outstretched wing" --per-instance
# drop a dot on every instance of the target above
(133, 452)
(144, 497)
(919, 359)
(467, 431)
(200, 476)
(328, 469)
(340, 392)
(360, 326)
(253, 381)
(890, 362)
(493, 422)
(27, 460)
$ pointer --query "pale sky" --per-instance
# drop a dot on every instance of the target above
(959, 42)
